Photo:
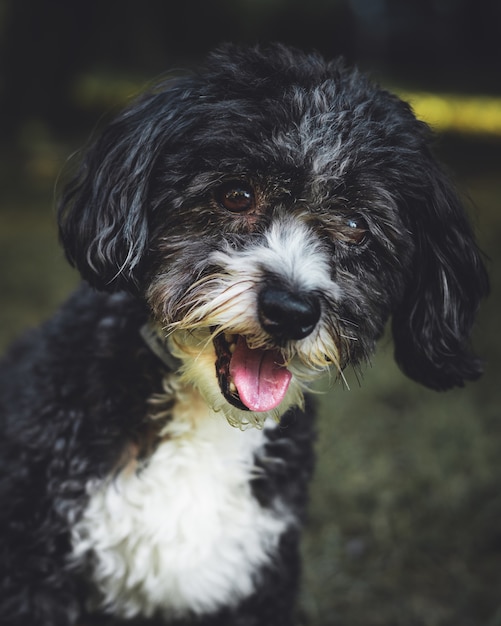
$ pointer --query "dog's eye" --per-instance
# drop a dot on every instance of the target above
(355, 230)
(236, 197)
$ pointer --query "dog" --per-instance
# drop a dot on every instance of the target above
(241, 231)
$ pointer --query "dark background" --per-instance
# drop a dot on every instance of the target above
(405, 524)
(47, 45)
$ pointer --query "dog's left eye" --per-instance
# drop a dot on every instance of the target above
(236, 197)
(355, 231)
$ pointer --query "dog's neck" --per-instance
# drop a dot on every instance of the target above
(155, 340)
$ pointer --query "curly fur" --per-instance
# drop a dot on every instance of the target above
(125, 494)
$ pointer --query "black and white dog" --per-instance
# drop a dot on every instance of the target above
(240, 231)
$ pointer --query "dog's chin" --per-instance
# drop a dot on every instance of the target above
(246, 384)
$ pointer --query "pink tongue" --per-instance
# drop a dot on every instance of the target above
(261, 380)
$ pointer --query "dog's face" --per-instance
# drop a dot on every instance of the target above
(274, 211)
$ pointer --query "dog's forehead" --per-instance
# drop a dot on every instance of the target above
(317, 129)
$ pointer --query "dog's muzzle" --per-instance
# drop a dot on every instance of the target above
(257, 379)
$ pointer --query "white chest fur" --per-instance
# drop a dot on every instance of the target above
(184, 534)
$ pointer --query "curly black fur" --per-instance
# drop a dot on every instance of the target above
(317, 141)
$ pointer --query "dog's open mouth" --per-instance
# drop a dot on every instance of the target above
(250, 379)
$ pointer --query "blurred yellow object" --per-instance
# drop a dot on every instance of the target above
(444, 112)
(457, 113)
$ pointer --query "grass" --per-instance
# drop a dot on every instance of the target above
(405, 510)
(404, 516)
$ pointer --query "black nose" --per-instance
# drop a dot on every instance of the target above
(287, 315)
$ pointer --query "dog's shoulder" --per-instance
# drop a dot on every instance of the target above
(77, 385)
(91, 331)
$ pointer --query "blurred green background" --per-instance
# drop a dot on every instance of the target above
(405, 523)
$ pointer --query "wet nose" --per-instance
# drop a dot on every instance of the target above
(285, 314)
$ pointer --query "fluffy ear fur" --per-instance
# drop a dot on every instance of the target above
(432, 326)
(103, 215)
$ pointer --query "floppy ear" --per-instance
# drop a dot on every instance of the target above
(432, 326)
(103, 214)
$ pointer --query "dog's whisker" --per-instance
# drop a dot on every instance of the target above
(224, 297)
(343, 378)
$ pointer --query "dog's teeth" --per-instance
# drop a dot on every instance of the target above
(231, 341)
(232, 387)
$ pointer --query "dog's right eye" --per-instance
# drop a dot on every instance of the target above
(236, 197)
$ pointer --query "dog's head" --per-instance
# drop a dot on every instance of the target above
(275, 210)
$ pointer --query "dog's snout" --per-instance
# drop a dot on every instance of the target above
(285, 314)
